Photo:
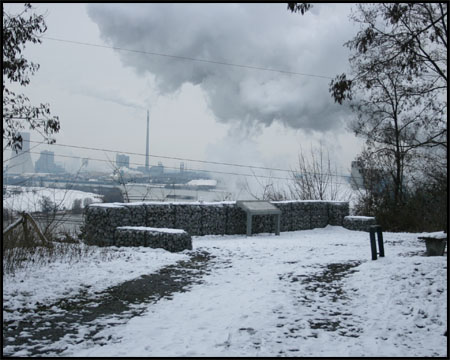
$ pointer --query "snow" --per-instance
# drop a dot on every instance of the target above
(435, 235)
(263, 297)
(108, 205)
(129, 171)
(29, 199)
(125, 173)
(140, 203)
(215, 203)
(65, 277)
(161, 230)
(202, 182)
(310, 201)
(360, 217)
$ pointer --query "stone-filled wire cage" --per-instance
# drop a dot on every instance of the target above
(205, 218)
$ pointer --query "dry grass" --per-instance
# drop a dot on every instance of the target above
(20, 252)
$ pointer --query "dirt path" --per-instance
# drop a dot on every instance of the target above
(323, 293)
(40, 331)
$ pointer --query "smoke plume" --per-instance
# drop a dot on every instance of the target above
(258, 35)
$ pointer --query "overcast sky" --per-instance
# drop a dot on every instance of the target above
(198, 110)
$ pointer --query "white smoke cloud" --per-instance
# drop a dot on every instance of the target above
(259, 35)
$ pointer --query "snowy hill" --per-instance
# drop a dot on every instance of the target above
(30, 199)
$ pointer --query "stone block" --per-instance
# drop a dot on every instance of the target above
(160, 215)
(188, 218)
(173, 240)
(236, 220)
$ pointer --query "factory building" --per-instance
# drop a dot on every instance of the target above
(46, 163)
(122, 161)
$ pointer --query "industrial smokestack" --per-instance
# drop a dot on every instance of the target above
(146, 148)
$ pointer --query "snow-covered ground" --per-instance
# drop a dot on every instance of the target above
(29, 199)
(43, 284)
(303, 293)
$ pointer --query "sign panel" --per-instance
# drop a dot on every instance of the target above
(258, 207)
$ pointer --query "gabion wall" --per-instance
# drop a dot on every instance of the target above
(359, 223)
(205, 218)
(168, 239)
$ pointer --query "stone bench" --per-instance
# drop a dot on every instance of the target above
(435, 243)
(173, 240)
(358, 223)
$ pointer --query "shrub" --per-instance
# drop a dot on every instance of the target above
(423, 209)
(112, 195)
(76, 207)
(87, 202)
(47, 206)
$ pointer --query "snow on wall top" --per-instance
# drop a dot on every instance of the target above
(352, 217)
(152, 229)
(308, 201)
(208, 203)
(140, 203)
(108, 205)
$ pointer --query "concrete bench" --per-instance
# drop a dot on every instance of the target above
(173, 240)
(435, 243)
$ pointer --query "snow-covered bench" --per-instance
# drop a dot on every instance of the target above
(359, 223)
(173, 240)
(435, 243)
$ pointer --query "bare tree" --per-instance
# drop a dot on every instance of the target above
(398, 91)
(316, 178)
(18, 31)
(424, 205)
(54, 214)
(268, 189)
(119, 178)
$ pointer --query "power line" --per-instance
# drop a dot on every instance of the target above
(183, 159)
(188, 58)
(195, 170)
(168, 157)
(193, 160)
(24, 152)
(169, 167)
